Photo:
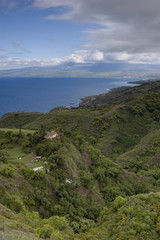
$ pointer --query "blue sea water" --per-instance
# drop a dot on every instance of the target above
(37, 94)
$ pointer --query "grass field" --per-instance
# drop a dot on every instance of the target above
(17, 155)
(16, 130)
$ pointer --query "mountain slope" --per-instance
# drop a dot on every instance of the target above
(91, 177)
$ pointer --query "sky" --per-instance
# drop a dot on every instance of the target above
(53, 32)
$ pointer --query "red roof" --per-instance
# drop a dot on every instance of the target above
(52, 134)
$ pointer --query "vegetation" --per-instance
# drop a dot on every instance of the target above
(99, 180)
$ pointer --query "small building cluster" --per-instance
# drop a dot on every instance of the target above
(50, 135)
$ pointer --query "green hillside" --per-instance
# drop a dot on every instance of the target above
(99, 180)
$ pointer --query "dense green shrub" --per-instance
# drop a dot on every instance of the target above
(3, 158)
(26, 146)
(13, 202)
(7, 171)
(30, 174)
(86, 179)
(138, 109)
(51, 227)
(45, 231)
(47, 147)
(57, 159)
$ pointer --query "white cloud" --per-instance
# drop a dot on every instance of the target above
(127, 28)
(134, 58)
(12, 63)
(53, 3)
(80, 56)
(142, 58)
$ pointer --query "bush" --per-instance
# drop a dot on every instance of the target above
(32, 218)
(27, 173)
(3, 159)
(119, 202)
(38, 175)
(47, 148)
(13, 202)
(56, 222)
(30, 174)
(45, 231)
(81, 225)
(7, 171)
(49, 228)
(57, 159)
(56, 235)
(86, 179)
(138, 109)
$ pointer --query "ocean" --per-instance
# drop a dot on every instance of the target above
(41, 94)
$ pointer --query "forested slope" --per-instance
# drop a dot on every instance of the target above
(99, 180)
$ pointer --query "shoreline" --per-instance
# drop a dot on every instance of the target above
(114, 93)
(89, 97)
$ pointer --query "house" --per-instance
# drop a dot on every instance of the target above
(37, 168)
(45, 162)
(38, 158)
(52, 135)
(68, 180)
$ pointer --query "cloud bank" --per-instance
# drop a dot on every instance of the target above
(127, 28)
(81, 56)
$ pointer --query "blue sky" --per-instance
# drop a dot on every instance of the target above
(26, 33)
(40, 37)
(51, 32)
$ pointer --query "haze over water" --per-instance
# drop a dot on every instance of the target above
(35, 94)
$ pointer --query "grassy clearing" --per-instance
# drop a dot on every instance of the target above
(16, 130)
(17, 155)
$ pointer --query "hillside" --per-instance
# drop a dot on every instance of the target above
(99, 180)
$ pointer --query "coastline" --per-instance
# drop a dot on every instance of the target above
(115, 93)
(46, 100)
